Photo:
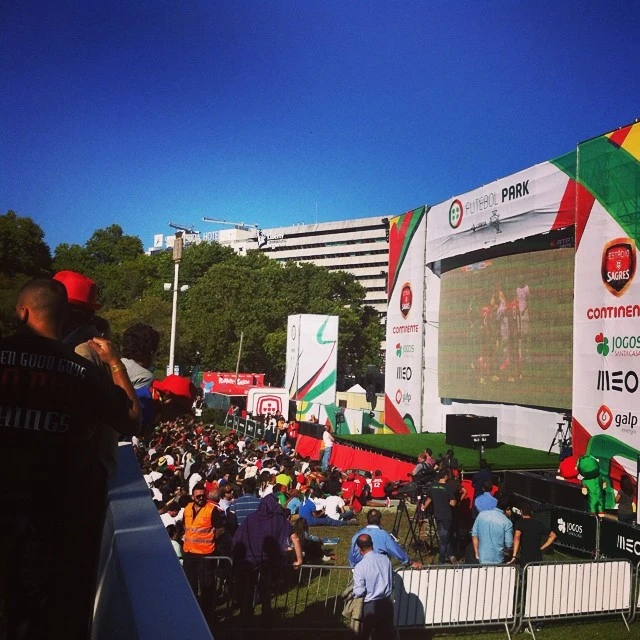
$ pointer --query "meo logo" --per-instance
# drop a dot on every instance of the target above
(268, 404)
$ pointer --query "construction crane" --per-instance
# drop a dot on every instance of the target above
(179, 227)
(238, 225)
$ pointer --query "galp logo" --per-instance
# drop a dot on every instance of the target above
(618, 265)
(602, 345)
(268, 404)
(406, 299)
(604, 417)
(455, 214)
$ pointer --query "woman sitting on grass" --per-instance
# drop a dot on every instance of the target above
(306, 546)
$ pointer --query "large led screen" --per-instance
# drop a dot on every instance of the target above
(506, 330)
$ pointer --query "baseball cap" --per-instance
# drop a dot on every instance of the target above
(81, 290)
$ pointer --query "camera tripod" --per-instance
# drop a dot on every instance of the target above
(562, 437)
(420, 519)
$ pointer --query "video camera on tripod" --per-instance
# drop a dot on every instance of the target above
(421, 480)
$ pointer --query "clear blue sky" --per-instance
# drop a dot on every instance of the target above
(145, 112)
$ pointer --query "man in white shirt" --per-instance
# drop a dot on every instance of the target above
(334, 508)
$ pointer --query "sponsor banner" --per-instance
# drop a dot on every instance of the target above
(312, 359)
(606, 381)
(403, 370)
(229, 384)
(618, 540)
(268, 400)
(575, 529)
(524, 204)
(293, 350)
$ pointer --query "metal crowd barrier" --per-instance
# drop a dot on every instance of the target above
(437, 597)
(461, 596)
(284, 598)
(576, 590)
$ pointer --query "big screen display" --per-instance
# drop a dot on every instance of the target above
(505, 330)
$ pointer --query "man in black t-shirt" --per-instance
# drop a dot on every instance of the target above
(49, 397)
(443, 499)
(531, 537)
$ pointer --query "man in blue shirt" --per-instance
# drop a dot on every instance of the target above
(383, 542)
(492, 533)
(247, 503)
(373, 579)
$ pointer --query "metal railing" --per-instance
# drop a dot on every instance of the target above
(460, 596)
(435, 597)
(576, 590)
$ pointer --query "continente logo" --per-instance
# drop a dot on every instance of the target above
(618, 265)
(455, 214)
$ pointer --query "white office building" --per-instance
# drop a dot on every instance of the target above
(359, 247)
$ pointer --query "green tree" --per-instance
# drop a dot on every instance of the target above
(111, 245)
(22, 246)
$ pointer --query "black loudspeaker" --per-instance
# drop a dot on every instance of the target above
(544, 489)
(461, 428)
(313, 429)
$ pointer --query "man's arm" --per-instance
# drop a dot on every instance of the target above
(516, 545)
(359, 584)
(474, 539)
(549, 541)
(508, 536)
(108, 355)
(217, 522)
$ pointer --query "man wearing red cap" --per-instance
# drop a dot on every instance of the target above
(48, 398)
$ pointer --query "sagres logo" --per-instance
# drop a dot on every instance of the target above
(603, 345)
(604, 417)
(618, 265)
(406, 299)
(455, 214)
(569, 528)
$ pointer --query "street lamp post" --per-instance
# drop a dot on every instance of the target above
(177, 257)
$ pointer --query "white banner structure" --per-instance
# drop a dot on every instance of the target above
(404, 365)
(312, 359)
(606, 341)
(518, 206)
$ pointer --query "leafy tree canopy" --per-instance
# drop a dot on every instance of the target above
(22, 246)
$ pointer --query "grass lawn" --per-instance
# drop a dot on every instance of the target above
(505, 456)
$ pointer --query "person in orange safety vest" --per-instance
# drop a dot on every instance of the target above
(204, 525)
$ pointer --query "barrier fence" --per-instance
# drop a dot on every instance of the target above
(435, 597)
(576, 590)
(463, 596)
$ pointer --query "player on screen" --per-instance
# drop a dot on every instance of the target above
(487, 343)
(522, 296)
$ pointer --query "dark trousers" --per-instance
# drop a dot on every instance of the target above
(201, 575)
(444, 536)
(377, 622)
